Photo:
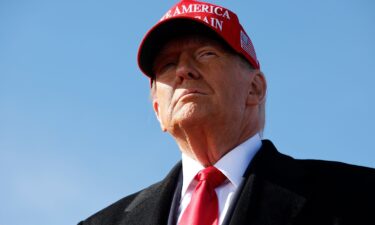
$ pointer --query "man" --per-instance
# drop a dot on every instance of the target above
(208, 92)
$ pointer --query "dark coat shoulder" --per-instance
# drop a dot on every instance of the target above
(335, 190)
(140, 207)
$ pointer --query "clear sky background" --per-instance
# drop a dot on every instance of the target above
(77, 131)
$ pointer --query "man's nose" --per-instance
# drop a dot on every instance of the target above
(186, 68)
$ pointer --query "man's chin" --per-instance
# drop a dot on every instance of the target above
(190, 117)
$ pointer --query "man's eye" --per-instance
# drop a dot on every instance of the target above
(165, 67)
(207, 54)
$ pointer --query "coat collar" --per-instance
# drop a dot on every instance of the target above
(263, 199)
(262, 202)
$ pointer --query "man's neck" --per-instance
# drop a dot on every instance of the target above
(208, 146)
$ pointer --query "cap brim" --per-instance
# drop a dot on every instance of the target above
(163, 32)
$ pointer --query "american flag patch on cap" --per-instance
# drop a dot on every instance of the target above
(247, 45)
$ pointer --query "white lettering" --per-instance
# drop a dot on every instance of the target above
(167, 15)
(186, 9)
(218, 11)
(205, 19)
(211, 9)
(217, 23)
(226, 14)
(205, 8)
(176, 12)
(197, 8)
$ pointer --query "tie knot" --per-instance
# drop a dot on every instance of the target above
(212, 175)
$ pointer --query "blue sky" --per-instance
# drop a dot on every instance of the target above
(77, 131)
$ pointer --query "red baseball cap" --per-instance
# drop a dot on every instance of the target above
(189, 16)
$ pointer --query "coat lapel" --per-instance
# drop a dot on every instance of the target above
(263, 203)
(152, 206)
(262, 200)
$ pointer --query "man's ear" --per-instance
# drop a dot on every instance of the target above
(155, 106)
(257, 89)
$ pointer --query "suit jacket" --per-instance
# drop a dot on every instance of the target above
(277, 190)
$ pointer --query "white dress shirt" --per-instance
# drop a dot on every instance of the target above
(232, 165)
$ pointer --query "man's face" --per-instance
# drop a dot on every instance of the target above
(199, 82)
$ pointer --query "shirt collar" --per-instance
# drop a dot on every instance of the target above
(240, 156)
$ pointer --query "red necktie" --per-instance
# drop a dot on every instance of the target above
(203, 208)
